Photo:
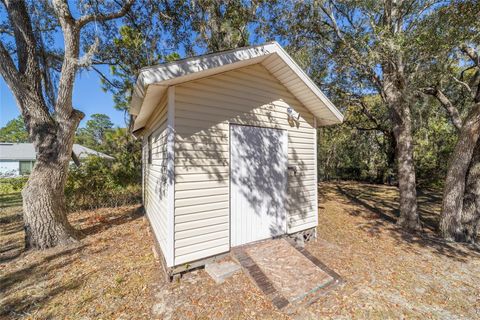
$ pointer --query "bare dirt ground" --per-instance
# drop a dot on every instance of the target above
(112, 273)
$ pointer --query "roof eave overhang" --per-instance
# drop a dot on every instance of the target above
(153, 81)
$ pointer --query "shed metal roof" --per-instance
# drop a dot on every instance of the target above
(26, 151)
(153, 81)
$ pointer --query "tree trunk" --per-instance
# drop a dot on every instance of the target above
(394, 87)
(409, 219)
(45, 214)
(460, 162)
(44, 207)
(471, 202)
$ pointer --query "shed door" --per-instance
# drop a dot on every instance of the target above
(258, 180)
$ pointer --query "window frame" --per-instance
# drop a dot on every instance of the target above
(149, 147)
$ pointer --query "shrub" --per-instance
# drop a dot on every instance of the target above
(12, 185)
(96, 184)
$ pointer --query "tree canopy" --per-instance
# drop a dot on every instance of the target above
(14, 131)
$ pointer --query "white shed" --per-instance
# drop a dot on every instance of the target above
(229, 150)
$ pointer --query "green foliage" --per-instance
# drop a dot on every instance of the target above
(434, 143)
(121, 145)
(99, 182)
(14, 131)
(93, 135)
(132, 49)
(12, 185)
(222, 25)
(351, 73)
(96, 184)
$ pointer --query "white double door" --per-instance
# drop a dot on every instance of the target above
(258, 182)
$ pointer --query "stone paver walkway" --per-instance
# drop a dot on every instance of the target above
(285, 273)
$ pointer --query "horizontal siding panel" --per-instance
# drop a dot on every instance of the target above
(200, 192)
(181, 162)
(193, 155)
(218, 114)
(189, 101)
(200, 231)
(200, 185)
(297, 220)
(292, 133)
(179, 203)
(202, 254)
(203, 125)
(193, 225)
(186, 132)
(180, 169)
(199, 246)
(260, 88)
(201, 177)
(203, 238)
(301, 226)
(201, 139)
(200, 147)
(201, 216)
(201, 208)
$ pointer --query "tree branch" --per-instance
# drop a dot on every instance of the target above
(447, 104)
(104, 77)
(71, 38)
(7, 68)
(463, 84)
(472, 54)
(357, 56)
(101, 17)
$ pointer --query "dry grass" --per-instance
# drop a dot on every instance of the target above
(112, 274)
(388, 273)
(109, 274)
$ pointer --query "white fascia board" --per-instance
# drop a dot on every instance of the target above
(308, 82)
(203, 66)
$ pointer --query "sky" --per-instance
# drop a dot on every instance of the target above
(88, 97)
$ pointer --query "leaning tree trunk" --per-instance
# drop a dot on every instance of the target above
(470, 217)
(44, 206)
(453, 195)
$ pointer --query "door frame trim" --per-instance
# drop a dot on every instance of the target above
(230, 124)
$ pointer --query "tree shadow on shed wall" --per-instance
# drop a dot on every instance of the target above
(202, 150)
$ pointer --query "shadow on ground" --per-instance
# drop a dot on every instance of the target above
(378, 204)
(30, 279)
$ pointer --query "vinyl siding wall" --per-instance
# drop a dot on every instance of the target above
(154, 175)
(203, 110)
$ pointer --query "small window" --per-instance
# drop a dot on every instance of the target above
(149, 149)
(26, 167)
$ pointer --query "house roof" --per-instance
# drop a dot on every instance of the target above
(153, 82)
(26, 151)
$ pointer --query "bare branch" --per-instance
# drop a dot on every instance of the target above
(472, 54)
(104, 77)
(447, 104)
(86, 59)
(357, 56)
(101, 17)
(463, 84)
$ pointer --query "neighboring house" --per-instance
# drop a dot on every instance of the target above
(229, 150)
(18, 158)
